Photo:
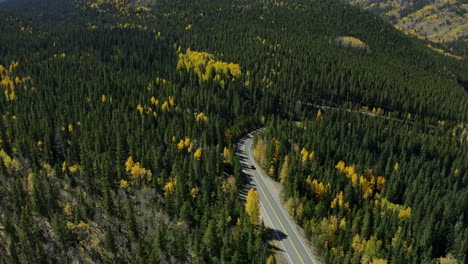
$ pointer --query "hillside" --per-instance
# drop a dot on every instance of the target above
(118, 124)
(438, 21)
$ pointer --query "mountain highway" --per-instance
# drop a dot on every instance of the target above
(294, 246)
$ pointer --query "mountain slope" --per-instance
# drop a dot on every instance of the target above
(439, 21)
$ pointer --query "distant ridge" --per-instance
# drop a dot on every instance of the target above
(437, 21)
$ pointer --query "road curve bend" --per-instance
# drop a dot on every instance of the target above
(274, 215)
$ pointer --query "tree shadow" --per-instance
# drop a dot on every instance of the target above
(275, 234)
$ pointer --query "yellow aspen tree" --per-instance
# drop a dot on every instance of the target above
(311, 155)
(124, 184)
(227, 155)
(319, 115)
(64, 166)
(68, 210)
(304, 154)
(198, 154)
(40, 145)
(284, 169)
(169, 187)
(194, 192)
(271, 260)
(379, 261)
(340, 166)
(404, 214)
(165, 106)
(186, 142)
(260, 152)
(140, 109)
(252, 207)
(129, 164)
(181, 144)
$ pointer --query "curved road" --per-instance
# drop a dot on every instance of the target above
(294, 246)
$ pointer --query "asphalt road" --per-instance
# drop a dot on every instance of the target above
(273, 214)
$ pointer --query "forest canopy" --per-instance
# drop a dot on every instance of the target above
(118, 124)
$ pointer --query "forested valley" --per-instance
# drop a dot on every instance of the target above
(119, 120)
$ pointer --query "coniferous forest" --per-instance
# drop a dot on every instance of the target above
(118, 124)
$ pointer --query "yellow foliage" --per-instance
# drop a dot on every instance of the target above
(397, 166)
(227, 155)
(318, 187)
(271, 260)
(311, 155)
(136, 171)
(140, 109)
(284, 169)
(358, 245)
(180, 145)
(404, 214)
(194, 192)
(8, 162)
(165, 106)
(201, 117)
(70, 128)
(129, 164)
(171, 101)
(198, 154)
(40, 145)
(205, 66)
(142, 9)
(170, 185)
(82, 225)
(449, 259)
(319, 115)
(341, 166)
(103, 98)
(14, 65)
(305, 155)
(259, 152)
(74, 168)
(68, 210)
(352, 42)
(378, 261)
(186, 142)
(252, 207)
(338, 202)
(124, 184)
